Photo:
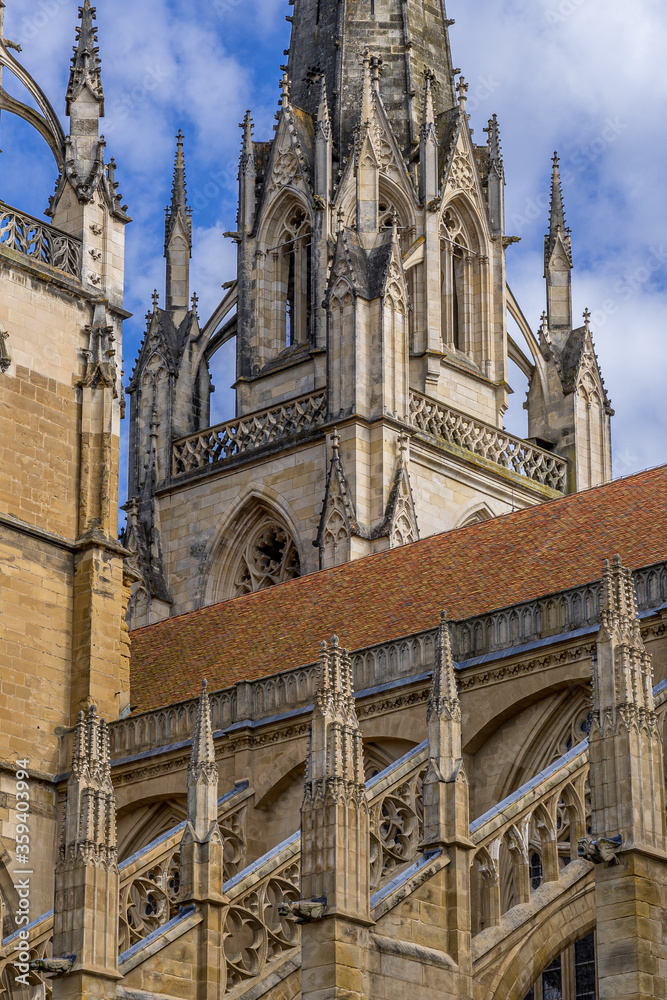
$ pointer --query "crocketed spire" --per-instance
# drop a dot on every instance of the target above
(178, 210)
(86, 65)
(557, 228)
(336, 751)
(89, 828)
(444, 708)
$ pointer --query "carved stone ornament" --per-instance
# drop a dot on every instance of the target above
(5, 360)
(269, 557)
(461, 175)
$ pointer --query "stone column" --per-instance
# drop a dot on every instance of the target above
(85, 919)
(628, 802)
(202, 871)
(446, 805)
(335, 851)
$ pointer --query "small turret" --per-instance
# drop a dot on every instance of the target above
(247, 178)
(178, 241)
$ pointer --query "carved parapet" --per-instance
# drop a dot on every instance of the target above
(494, 445)
(225, 442)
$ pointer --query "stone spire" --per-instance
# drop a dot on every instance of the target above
(323, 147)
(496, 178)
(334, 814)
(201, 844)
(444, 709)
(86, 886)
(247, 177)
(86, 65)
(178, 241)
(558, 264)
(330, 36)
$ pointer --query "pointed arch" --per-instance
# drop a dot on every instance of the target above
(465, 282)
(284, 275)
(258, 548)
(475, 515)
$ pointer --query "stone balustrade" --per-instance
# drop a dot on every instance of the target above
(445, 424)
(224, 442)
(39, 242)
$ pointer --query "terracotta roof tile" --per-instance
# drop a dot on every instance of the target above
(469, 571)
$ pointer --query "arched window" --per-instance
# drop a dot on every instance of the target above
(455, 278)
(269, 556)
(296, 278)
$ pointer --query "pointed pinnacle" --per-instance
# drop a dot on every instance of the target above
(85, 70)
(557, 211)
(202, 740)
(178, 193)
(429, 110)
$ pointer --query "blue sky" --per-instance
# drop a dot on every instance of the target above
(581, 76)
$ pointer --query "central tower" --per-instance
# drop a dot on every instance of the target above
(406, 40)
(369, 310)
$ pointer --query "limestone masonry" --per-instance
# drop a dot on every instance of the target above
(367, 699)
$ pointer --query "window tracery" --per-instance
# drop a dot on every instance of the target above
(269, 557)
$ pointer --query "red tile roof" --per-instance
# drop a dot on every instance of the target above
(469, 571)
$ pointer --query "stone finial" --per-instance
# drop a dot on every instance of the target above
(462, 90)
(587, 320)
(493, 144)
(335, 443)
(178, 215)
(323, 116)
(86, 64)
(428, 117)
(557, 227)
(366, 90)
(446, 809)
(155, 299)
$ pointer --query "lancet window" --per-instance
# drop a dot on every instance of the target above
(296, 277)
(455, 266)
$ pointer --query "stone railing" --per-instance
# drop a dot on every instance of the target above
(396, 815)
(529, 838)
(39, 241)
(440, 421)
(223, 442)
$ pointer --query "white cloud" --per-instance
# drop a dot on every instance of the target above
(583, 76)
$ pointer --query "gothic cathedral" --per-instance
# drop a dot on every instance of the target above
(370, 312)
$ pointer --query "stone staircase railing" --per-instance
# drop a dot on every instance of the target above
(223, 442)
(39, 242)
(443, 423)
